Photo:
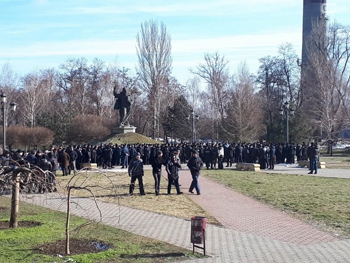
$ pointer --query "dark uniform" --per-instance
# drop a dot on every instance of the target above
(136, 171)
(272, 153)
(208, 156)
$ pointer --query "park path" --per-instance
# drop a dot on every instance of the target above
(251, 232)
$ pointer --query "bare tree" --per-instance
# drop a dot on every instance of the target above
(8, 79)
(214, 72)
(244, 120)
(193, 91)
(91, 183)
(198, 100)
(155, 60)
(34, 96)
(289, 73)
(72, 81)
(328, 78)
(101, 81)
(97, 91)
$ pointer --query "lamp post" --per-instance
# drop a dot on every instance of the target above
(13, 106)
(171, 124)
(286, 110)
(193, 117)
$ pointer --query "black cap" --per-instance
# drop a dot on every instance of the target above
(138, 154)
(159, 152)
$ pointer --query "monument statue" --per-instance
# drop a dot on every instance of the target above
(123, 104)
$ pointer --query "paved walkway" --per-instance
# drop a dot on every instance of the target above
(295, 169)
(252, 232)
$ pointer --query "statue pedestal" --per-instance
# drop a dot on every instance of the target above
(123, 129)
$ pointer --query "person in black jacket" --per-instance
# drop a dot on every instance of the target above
(195, 164)
(45, 164)
(157, 163)
(313, 155)
(136, 171)
(54, 162)
(272, 157)
(208, 155)
(172, 168)
(18, 157)
(262, 156)
(107, 157)
(239, 153)
(146, 154)
(72, 160)
(230, 155)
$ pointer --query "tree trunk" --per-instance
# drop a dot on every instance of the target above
(328, 149)
(331, 148)
(15, 202)
(154, 122)
(67, 221)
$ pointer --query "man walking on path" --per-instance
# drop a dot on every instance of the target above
(195, 164)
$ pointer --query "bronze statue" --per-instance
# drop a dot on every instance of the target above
(123, 104)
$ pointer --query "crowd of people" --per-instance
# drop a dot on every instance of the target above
(171, 156)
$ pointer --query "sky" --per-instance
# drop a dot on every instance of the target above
(41, 34)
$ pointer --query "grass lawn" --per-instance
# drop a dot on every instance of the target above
(335, 161)
(324, 202)
(114, 187)
(17, 244)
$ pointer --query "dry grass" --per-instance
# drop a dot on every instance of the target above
(114, 187)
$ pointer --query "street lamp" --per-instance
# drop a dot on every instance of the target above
(13, 107)
(286, 111)
(171, 124)
(193, 117)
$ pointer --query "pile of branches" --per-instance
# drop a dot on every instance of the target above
(32, 179)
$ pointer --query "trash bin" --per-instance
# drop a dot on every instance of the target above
(198, 224)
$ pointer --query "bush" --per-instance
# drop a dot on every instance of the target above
(22, 135)
(85, 129)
